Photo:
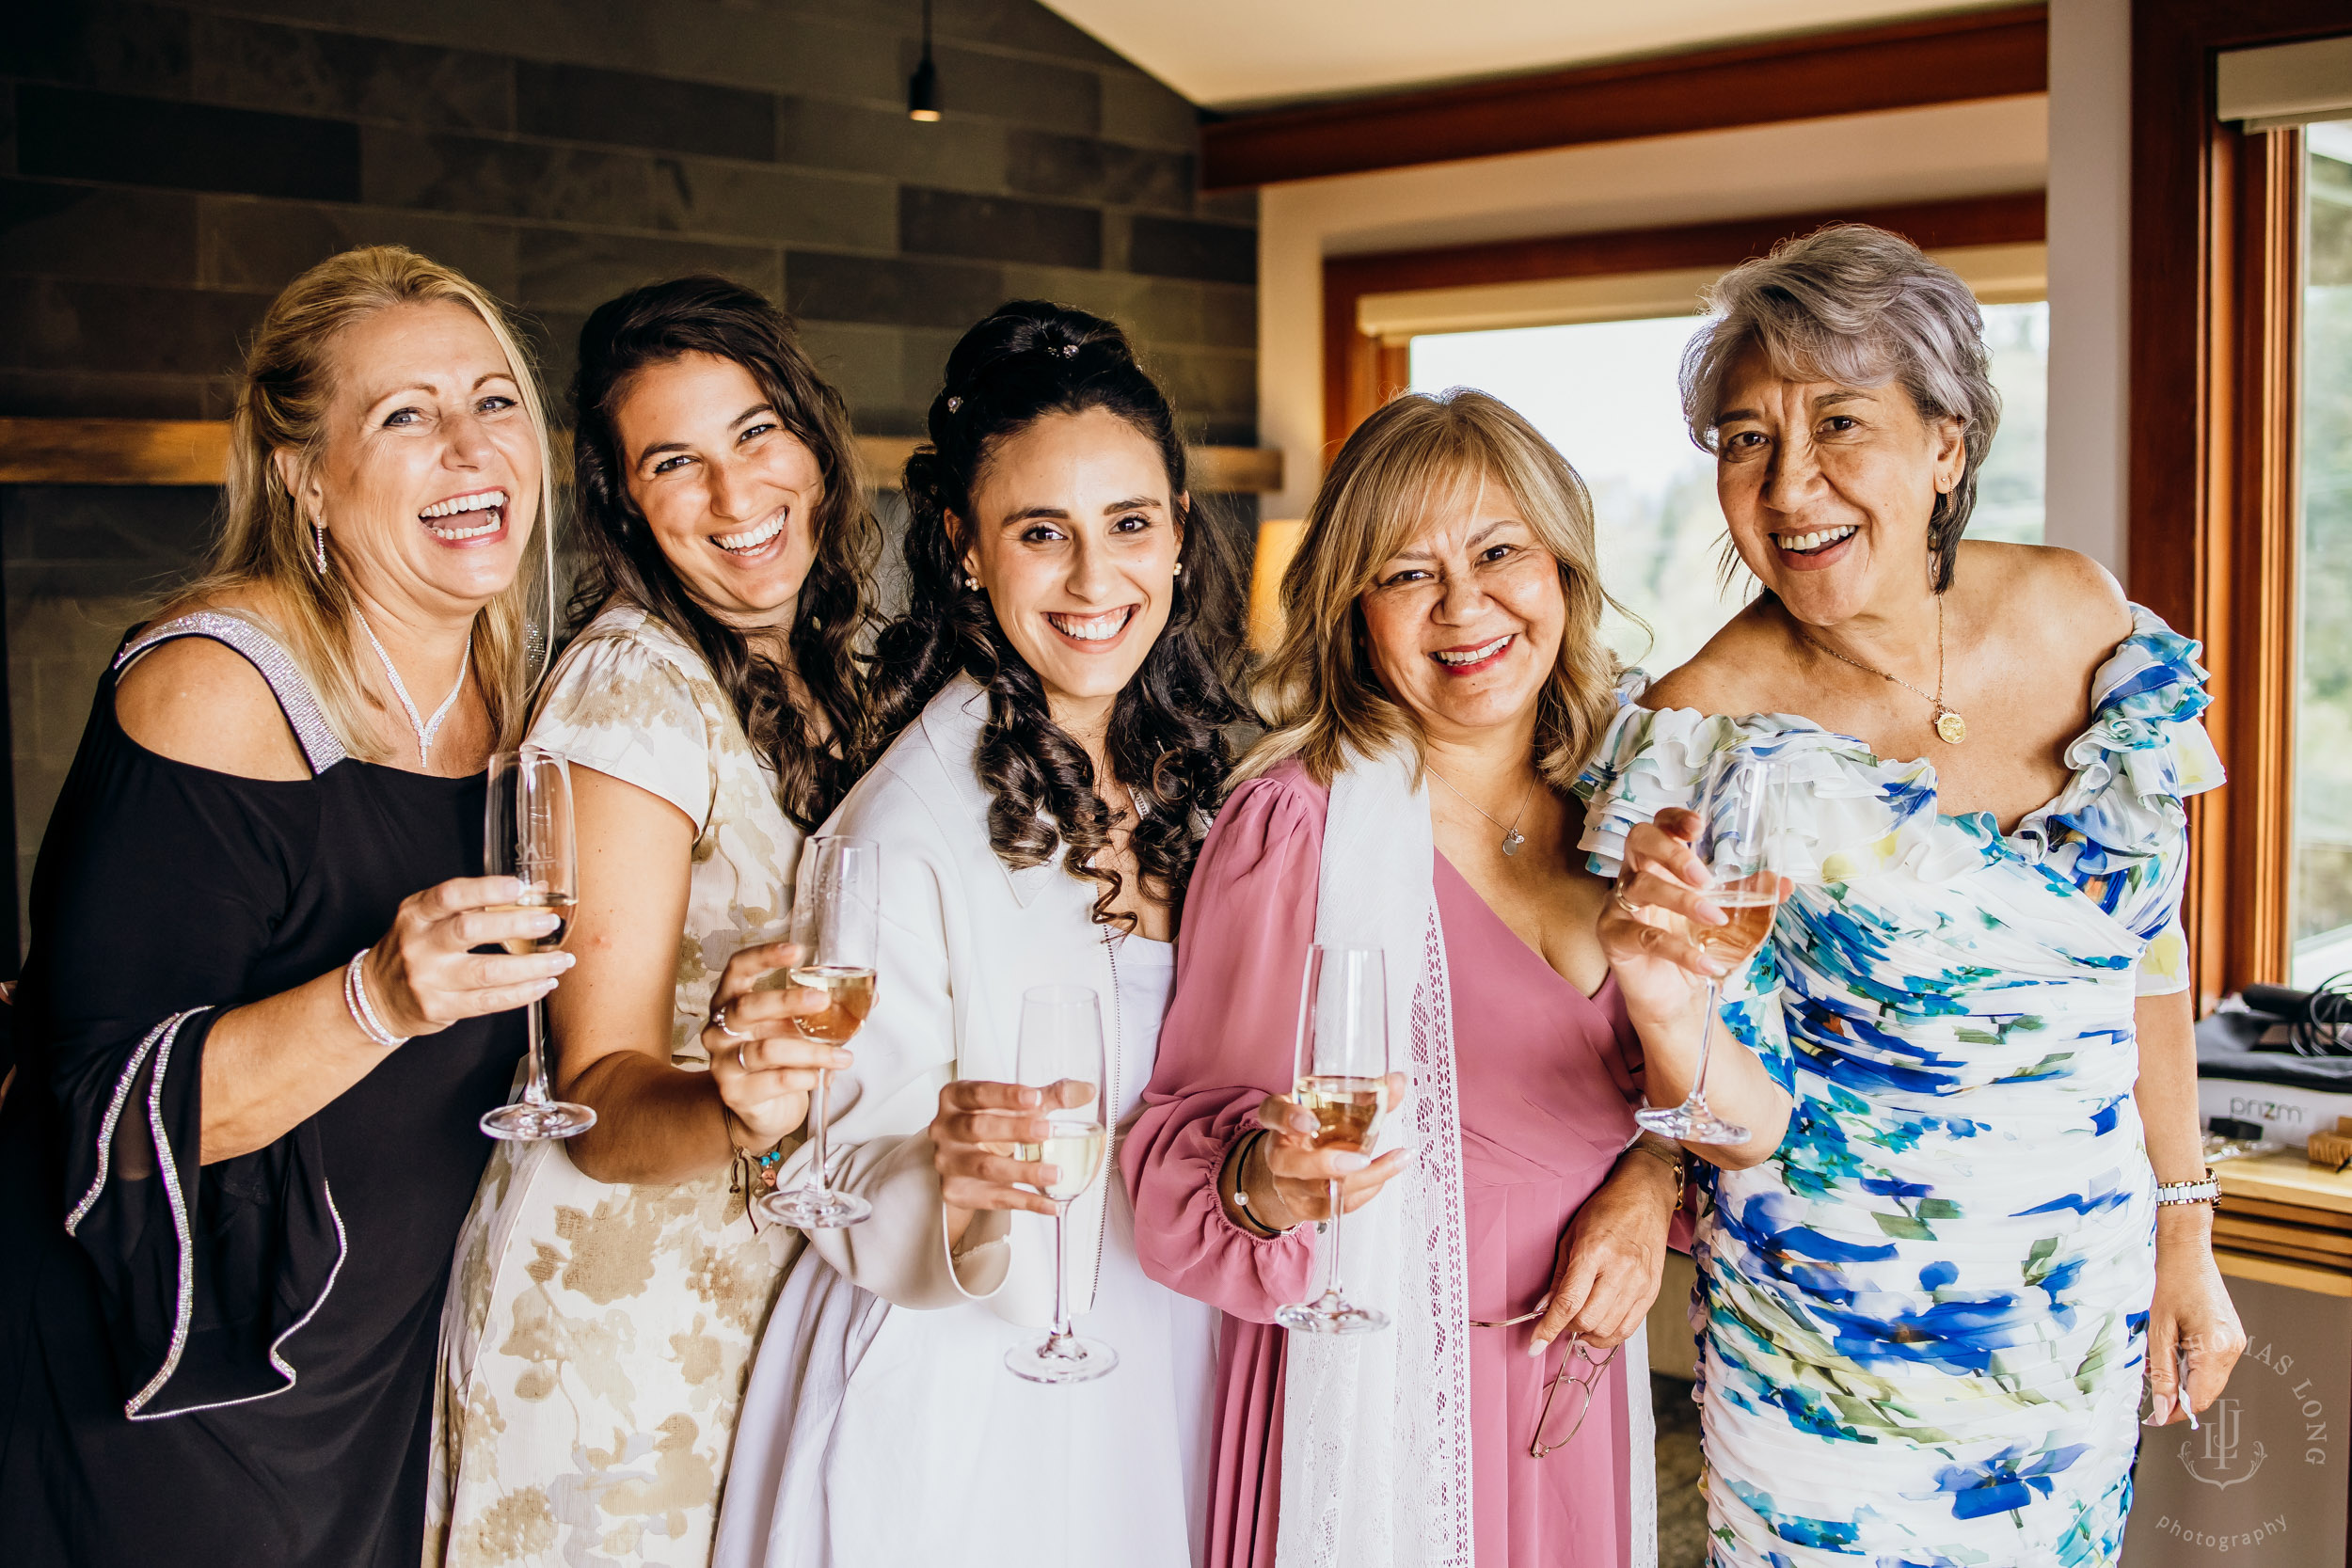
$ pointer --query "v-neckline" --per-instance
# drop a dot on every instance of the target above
(1592, 1000)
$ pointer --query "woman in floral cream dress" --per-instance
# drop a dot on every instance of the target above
(609, 1290)
(1927, 1315)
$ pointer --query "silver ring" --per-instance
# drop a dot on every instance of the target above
(719, 1021)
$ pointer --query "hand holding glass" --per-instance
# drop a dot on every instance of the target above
(1060, 1056)
(527, 835)
(836, 922)
(1741, 804)
(1344, 1080)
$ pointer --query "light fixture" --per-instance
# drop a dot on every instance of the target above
(923, 86)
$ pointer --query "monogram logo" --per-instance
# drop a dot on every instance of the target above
(2214, 1454)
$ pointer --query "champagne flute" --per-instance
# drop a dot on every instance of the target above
(837, 921)
(1343, 1079)
(1061, 1055)
(527, 835)
(1741, 803)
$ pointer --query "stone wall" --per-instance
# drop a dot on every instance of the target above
(165, 168)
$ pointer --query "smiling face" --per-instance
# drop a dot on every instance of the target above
(729, 493)
(1464, 623)
(428, 478)
(1828, 488)
(1075, 541)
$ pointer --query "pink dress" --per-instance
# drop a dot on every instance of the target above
(1548, 1079)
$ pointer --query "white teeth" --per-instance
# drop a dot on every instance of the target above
(1474, 655)
(750, 538)
(1814, 540)
(1092, 628)
(465, 504)
(456, 534)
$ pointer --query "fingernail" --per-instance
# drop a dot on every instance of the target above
(1537, 1347)
(1031, 1097)
(1715, 915)
(565, 960)
(2163, 1411)
(1348, 1163)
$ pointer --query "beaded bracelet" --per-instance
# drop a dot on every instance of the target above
(362, 1011)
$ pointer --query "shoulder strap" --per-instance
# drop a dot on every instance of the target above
(319, 745)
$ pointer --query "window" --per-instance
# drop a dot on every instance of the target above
(2321, 885)
(1605, 393)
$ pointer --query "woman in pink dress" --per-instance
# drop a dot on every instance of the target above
(1439, 684)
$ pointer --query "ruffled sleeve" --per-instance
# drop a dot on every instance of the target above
(160, 887)
(622, 702)
(1227, 1044)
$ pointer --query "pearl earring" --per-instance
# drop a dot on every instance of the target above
(1180, 570)
(971, 582)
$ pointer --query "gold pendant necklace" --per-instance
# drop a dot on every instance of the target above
(1512, 837)
(1950, 727)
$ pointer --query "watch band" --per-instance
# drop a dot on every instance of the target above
(2206, 1190)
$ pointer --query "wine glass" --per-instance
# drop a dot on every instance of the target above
(1061, 1055)
(1741, 803)
(527, 835)
(837, 921)
(1343, 1079)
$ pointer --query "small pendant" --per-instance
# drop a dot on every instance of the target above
(1511, 842)
(1951, 726)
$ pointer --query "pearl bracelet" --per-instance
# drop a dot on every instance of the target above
(2207, 1191)
(363, 1011)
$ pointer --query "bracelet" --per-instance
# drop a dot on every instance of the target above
(362, 1011)
(1250, 1223)
(2206, 1190)
(1680, 1163)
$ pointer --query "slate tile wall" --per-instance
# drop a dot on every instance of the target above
(166, 167)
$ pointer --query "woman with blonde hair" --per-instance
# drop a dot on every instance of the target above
(233, 1171)
(1439, 681)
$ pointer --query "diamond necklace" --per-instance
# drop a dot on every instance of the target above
(1512, 837)
(1949, 726)
(427, 728)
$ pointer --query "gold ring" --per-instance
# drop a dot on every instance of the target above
(1627, 905)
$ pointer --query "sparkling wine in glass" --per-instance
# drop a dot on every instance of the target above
(1060, 1056)
(527, 835)
(837, 920)
(1741, 804)
(1344, 1080)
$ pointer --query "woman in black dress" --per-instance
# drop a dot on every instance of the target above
(243, 1136)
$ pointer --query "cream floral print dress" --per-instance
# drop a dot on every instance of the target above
(597, 1337)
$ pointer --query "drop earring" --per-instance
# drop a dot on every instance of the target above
(318, 540)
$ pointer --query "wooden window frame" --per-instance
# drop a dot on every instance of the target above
(2215, 330)
(1359, 372)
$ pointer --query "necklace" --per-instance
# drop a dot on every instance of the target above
(427, 728)
(1949, 726)
(1512, 838)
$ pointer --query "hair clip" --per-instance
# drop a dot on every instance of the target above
(1070, 351)
(954, 403)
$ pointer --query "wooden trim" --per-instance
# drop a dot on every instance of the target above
(1903, 65)
(2281, 1270)
(1360, 374)
(196, 451)
(2214, 302)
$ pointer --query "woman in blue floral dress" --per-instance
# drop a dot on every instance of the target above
(1928, 1314)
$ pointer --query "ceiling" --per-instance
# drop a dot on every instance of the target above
(1231, 54)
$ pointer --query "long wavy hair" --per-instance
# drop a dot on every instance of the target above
(1317, 692)
(266, 540)
(818, 742)
(1026, 361)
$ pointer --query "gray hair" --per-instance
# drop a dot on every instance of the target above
(1861, 306)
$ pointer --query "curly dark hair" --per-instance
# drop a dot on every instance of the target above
(1166, 742)
(817, 748)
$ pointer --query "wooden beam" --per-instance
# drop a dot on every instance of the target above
(1359, 373)
(196, 451)
(1903, 65)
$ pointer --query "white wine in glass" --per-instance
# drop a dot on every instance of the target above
(1060, 1056)
(1740, 807)
(1344, 1080)
(527, 835)
(837, 921)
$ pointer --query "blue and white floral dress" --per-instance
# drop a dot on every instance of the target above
(1922, 1316)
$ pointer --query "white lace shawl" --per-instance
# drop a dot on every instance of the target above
(1376, 1427)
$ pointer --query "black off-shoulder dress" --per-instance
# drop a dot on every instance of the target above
(234, 1363)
